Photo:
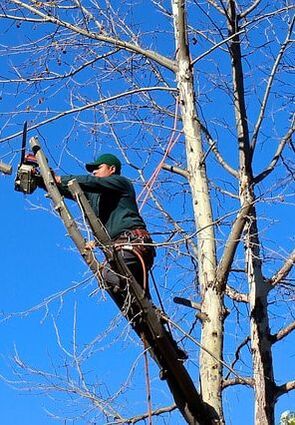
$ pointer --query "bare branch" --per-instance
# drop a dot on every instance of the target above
(216, 152)
(202, 347)
(139, 418)
(235, 295)
(283, 332)
(176, 170)
(59, 76)
(214, 4)
(267, 16)
(236, 381)
(250, 9)
(231, 245)
(162, 60)
(20, 18)
(237, 354)
(269, 86)
(88, 106)
(284, 270)
(285, 388)
(216, 46)
(277, 155)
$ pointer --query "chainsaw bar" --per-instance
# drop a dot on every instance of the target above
(24, 142)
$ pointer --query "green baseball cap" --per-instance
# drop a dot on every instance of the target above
(106, 158)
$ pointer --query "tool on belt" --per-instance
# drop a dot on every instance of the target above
(138, 241)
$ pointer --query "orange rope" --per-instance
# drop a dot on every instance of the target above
(144, 269)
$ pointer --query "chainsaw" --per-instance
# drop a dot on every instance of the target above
(27, 170)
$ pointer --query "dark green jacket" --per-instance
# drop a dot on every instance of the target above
(112, 199)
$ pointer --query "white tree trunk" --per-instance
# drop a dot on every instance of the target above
(212, 300)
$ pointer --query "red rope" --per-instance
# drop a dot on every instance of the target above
(150, 183)
(148, 382)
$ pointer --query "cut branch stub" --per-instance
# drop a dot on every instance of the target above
(5, 168)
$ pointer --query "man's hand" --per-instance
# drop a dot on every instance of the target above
(57, 179)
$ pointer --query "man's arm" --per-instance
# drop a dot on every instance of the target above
(113, 183)
(63, 189)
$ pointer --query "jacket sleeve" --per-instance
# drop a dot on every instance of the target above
(97, 184)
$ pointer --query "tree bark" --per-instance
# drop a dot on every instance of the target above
(212, 298)
(264, 385)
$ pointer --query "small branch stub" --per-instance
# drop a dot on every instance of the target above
(192, 304)
(5, 168)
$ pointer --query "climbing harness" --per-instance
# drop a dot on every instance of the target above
(139, 243)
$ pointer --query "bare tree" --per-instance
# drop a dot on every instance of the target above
(196, 95)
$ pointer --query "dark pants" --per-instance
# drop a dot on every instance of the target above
(138, 254)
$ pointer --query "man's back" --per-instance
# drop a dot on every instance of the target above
(112, 199)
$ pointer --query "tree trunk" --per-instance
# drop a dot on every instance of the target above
(259, 324)
(259, 328)
(212, 299)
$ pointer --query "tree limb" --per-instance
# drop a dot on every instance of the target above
(203, 348)
(269, 86)
(87, 106)
(284, 270)
(176, 170)
(237, 354)
(139, 418)
(285, 388)
(237, 381)
(250, 9)
(231, 245)
(162, 60)
(235, 295)
(216, 152)
(277, 155)
(214, 4)
(58, 76)
(216, 46)
(283, 332)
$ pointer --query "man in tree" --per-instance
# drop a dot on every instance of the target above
(112, 198)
